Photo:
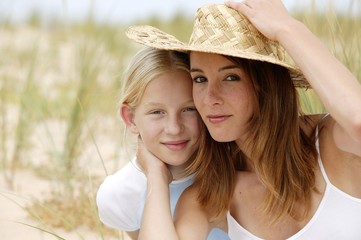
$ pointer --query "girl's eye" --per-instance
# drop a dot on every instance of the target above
(199, 79)
(232, 78)
(190, 109)
(156, 112)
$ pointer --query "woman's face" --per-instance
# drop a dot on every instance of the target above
(222, 94)
(167, 120)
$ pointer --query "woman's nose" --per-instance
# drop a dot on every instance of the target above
(213, 95)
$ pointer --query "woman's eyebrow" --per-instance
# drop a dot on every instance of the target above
(195, 70)
(227, 68)
(219, 70)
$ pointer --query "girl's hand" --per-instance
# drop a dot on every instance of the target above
(268, 16)
(150, 164)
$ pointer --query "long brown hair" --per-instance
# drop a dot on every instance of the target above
(282, 154)
(215, 167)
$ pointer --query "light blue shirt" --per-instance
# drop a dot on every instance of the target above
(121, 199)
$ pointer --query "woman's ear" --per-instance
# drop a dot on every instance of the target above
(127, 114)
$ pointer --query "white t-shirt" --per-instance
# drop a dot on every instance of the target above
(121, 199)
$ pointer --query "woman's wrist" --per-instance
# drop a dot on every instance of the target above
(289, 31)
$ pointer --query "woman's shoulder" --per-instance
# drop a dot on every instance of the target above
(332, 136)
(309, 123)
(190, 194)
(190, 209)
(316, 117)
(189, 201)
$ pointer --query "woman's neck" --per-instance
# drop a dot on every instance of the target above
(246, 150)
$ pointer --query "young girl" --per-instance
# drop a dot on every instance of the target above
(157, 106)
(298, 175)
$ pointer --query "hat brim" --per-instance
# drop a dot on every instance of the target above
(153, 37)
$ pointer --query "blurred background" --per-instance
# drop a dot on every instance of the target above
(61, 63)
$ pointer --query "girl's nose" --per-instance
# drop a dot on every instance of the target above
(174, 125)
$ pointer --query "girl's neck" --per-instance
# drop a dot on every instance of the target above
(179, 172)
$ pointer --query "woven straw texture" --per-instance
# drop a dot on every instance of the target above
(221, 30)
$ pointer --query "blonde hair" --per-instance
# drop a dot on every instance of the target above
(283, 156)
(146, 65)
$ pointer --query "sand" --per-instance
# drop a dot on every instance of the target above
(14, 217)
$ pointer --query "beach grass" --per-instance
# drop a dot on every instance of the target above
(59, 90)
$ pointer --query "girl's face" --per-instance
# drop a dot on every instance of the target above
(222, 94)
(167, 120)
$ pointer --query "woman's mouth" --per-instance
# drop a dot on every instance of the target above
(217, 118)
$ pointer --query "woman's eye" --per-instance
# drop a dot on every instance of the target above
(199, 79)
(232, 78)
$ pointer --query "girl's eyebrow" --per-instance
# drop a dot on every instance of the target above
(153, 104)
(219, 70)
(189, 101)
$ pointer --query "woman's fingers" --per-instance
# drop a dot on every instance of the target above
(268, 16)
(241, 7)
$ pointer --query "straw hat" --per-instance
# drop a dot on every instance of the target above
(221, 30)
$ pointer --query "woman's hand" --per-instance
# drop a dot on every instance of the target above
(268, 16)
(335, 85)
(150, 164)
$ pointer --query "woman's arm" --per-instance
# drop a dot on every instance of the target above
(336, 86)
(157, 222)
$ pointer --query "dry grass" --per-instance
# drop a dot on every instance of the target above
(58, 104)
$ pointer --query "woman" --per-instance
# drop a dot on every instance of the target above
(298, 176)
